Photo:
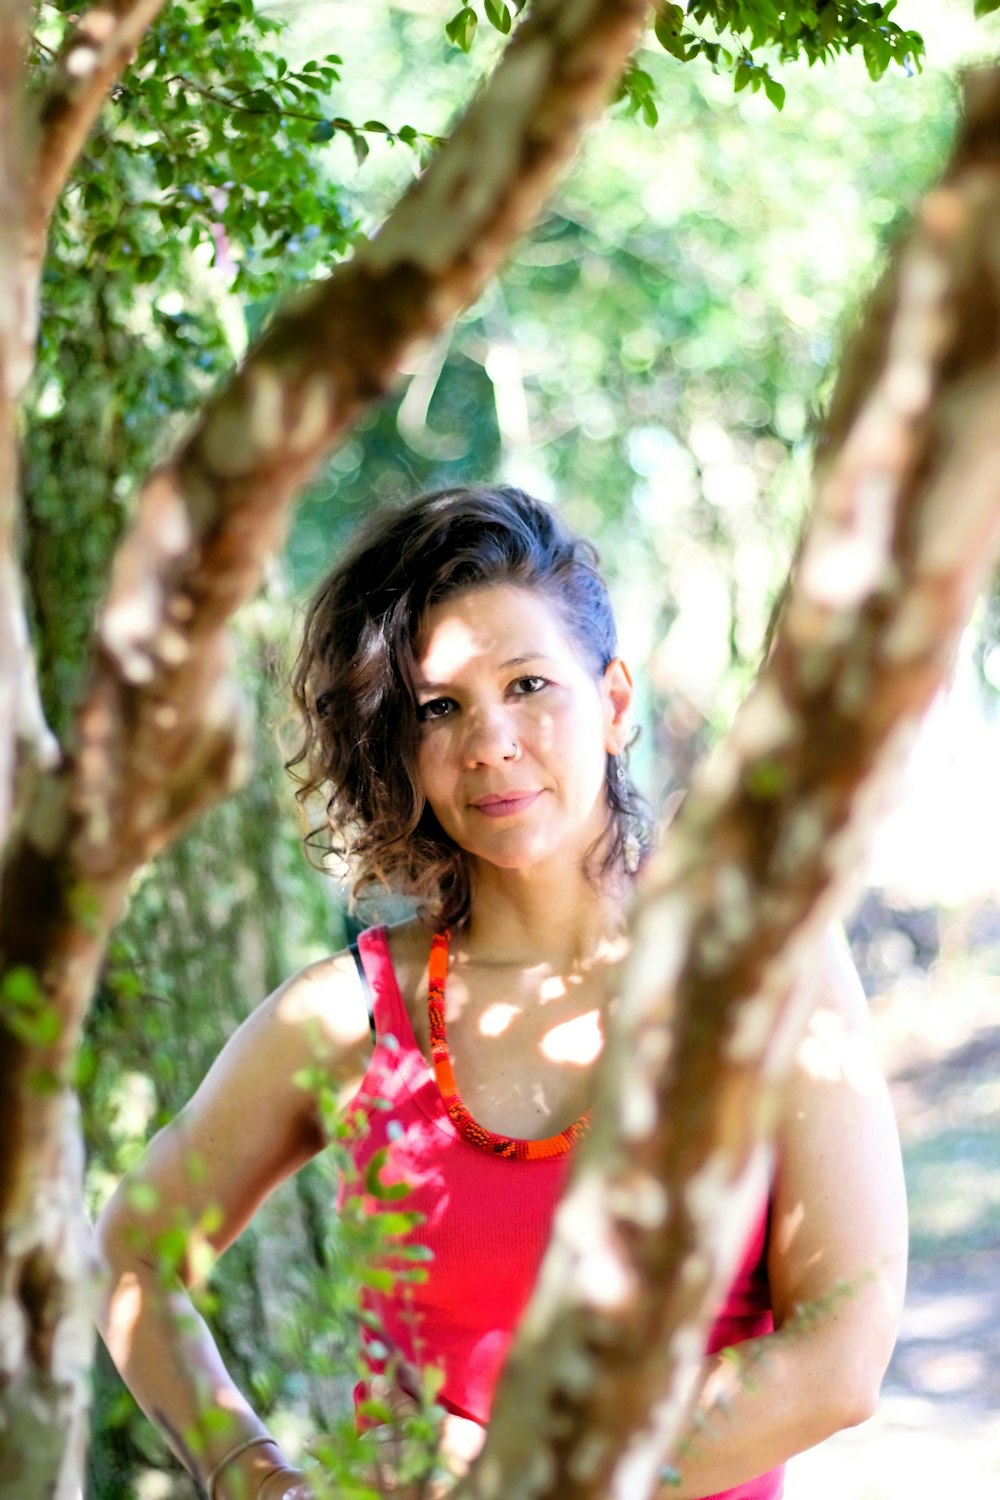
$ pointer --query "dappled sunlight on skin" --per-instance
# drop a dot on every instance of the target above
(456, 643)
(786, 1231)
(555, 987)
(127, 1305)
(125, 1309)
(497, 1018)
(832, 1050)
(554, 1015)
(341, 1029)
(577, 1042)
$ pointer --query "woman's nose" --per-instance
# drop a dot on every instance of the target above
(490, 740)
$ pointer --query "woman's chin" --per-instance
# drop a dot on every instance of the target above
(525, 855)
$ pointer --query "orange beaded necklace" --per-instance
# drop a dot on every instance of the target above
(467, 1127)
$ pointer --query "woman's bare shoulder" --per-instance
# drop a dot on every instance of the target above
(324, 997)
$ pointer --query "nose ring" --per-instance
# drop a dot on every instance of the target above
(515, 751)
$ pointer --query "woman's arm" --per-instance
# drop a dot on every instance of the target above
(837, 1260)
(249, 1126)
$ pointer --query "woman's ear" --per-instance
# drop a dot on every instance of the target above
(617, 692)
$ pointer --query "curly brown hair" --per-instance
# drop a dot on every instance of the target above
(353, 682)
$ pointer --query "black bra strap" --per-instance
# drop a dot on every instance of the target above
(355, 953)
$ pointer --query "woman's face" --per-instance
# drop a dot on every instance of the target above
(514, 727)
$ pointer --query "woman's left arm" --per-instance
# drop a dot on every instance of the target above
(836, 1260)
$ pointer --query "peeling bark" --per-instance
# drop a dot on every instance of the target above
(25, 743)
(11, 217)
(158, 735)
(767, 844)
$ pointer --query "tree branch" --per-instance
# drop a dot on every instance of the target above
(768, 842)
(279, 112)
(26, 744)
(93, 55)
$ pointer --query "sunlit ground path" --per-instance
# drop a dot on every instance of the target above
(938, 1027)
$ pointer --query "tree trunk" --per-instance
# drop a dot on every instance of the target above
(769, 840)
(158, 736)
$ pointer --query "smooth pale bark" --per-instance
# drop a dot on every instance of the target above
(157, 737)
(769, 840)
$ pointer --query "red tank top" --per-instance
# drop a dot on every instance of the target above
(487, 1220)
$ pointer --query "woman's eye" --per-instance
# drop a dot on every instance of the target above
(524, 686)
(434, 708)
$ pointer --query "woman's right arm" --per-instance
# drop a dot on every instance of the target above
(248, 1127)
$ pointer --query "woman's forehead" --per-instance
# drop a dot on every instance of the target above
(501, 624)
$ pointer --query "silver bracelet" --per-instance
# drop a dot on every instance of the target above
(278, 1469)
(227, 1458)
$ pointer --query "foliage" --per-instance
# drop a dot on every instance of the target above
(738, 31)
(115, 370)
(211, 140)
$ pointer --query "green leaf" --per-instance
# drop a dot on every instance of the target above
(767, 779)
(461, 29)
(149, 268)
(27, 1011)
(171, 1246)
(44, 1081)
(775, 91)
(376, 1410)
(984, 7)
(377, 1279)
(20, 986)
(498, 15)
(142, 1196)
(414, 1252)
(396, 1222)
(85, 1067)
(639, 82)
(385, 1191)
(324, 131)
(668, 28)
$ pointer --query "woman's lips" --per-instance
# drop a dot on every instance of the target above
(504, 806)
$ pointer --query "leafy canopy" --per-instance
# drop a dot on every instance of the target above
(730, 33)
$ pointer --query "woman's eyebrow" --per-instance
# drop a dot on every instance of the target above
(512, 661)
(519, 661)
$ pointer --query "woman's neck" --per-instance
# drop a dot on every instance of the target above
(532, 917)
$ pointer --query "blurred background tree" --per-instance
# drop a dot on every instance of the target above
(651, 359)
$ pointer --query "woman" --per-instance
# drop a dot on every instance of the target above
(468, 716)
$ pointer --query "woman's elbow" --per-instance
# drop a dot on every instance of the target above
(860, 1403)
(855, 1392)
